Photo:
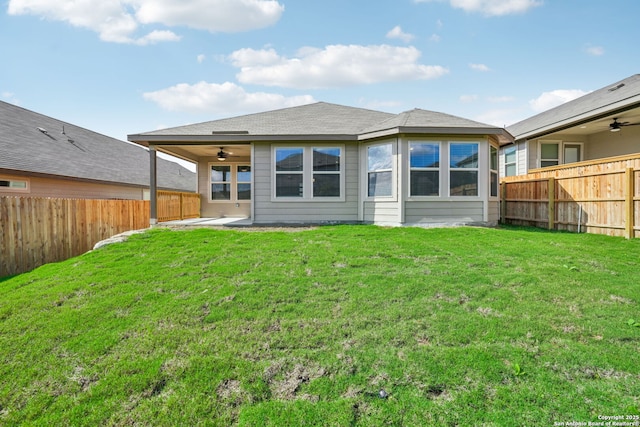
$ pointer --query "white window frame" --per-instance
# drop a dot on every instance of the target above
(438, 169)
(561, 146)
(493, 171)
(11, 189)
(514, 162)
(393, 170)
(238, 182)
(476, 169)
(233, 183)
(308, 173)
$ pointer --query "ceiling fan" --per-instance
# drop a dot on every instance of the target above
(222, 156)
(616, 125)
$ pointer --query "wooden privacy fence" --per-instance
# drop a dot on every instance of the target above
(36, 231)
(174, 205)
(594, 197)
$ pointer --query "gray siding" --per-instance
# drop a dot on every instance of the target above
(494, 211)
(444, 212)
(269, 211)
(381, 212)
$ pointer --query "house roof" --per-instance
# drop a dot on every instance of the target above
(320, 120)
(36, 144)
(612, 99)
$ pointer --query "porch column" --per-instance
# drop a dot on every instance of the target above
(153, 186)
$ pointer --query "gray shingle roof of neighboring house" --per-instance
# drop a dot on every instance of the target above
(318, 120)
(618, 97)
(34, 143)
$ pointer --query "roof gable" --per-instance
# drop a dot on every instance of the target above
(34, 143)
(610, 99)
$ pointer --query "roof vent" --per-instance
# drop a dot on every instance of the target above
(230, 132)
(43, 130)
(611, 89)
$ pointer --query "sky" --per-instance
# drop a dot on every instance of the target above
(122, 67)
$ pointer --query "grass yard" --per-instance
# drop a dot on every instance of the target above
(462, 326)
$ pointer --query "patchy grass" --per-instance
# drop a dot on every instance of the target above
(342, 326)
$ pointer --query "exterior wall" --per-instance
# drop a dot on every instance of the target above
(218, 208)
(268, 210)
(609, 144)
(381, 212)
(446, 212)
(71, 189)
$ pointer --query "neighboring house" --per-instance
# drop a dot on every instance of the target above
(327, 163)
(45, 157)
(595, 126)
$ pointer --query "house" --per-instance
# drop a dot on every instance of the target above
(328, 163)
(598, 125)
(45, 157)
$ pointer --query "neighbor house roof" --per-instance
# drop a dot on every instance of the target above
(618, 97)
(320, 120)
(36, 144)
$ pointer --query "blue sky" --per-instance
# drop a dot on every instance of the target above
(120, 67)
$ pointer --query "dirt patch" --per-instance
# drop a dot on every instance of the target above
(287, 387)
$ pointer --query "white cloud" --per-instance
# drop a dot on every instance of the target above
(491, 7)
(594, 50)
(225, 98)
(554, 98)
(467, 99)
(333, 66)
(479, 67)
(118, 20)
(200, 58)
(502, 117)
(434, 38)
(397, 33)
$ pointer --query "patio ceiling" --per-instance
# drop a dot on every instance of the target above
(600, 124)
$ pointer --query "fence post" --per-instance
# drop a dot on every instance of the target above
(552, 203)
(629, 205)
(503, 202)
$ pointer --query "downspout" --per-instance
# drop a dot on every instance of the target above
(153, 186)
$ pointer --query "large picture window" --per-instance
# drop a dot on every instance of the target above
(424, 173)
(309, 172)
(463, 169)
(380, 170)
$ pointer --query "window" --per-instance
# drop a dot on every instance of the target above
(424, 175)
(554, 153)
(309, 172)
(494, 171)
(220, 182)
(326, 172)
(289, 172)
(17, 185)
(572, 153)
(243, 182)
(379, 170)
(463, 169)
(549, 154)
(510, 161)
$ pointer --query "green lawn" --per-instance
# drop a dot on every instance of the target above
(460, 326)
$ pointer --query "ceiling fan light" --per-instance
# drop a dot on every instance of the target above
(615, 129)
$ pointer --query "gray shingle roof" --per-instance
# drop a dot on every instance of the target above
(613, 98)
(319, 120)
(78, 153)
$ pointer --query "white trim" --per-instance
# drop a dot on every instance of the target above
(233, 183)
(439, 143)
(394, 174)
(481, 158)
(561, 147)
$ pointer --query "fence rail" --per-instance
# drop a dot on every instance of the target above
(601, 197)
(35, 231)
